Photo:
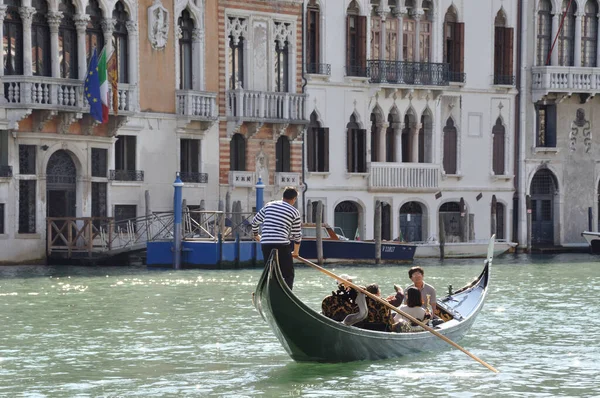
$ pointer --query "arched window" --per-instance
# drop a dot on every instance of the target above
(236, 61)
(375, 142)
(120, 41)
(503, 51)
(406, 137)
(67, 41)
(390, 137)
(544, 31)
(409, 46)
(317, 146)
(426, 138)
(313, 37)
(13, 39)
(186, 25)
(94, 37)
(356, 147)
(454, 44)
(589, 32)
(450, 141)
(282, 155)
(498, 134)
(281, 66)
(237, 153)
(40, 40)
(566, 37)
(356, 41)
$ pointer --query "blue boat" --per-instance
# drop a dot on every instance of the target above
(337, 248)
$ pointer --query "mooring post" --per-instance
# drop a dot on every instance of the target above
(260, 188)
(377, 231)
(177, 210)
(319, 232)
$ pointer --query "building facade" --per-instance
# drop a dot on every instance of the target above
(411, 103)
(56, 161)
(560, 173)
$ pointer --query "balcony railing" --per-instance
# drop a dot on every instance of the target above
(241, 179)
(198, 104)
(287, 179)
(52, 93)
(126, 175)
(357, 71)
(457, 77)
(194, 177)
(265, 106)
(318, 69)
(5, 171)
(409, 73)
(504, 80)
(564, 79)
(398, 176)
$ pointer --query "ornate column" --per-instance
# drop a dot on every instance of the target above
(382, 131)
(2, 16)
(414, 142)
(132, 41)
(398, 138)
(27, 17)
(400, 13)
(577, 42)
(555, 22)
(81, 21)
(382, 35)
(597, 42)
(417, 15)
(108, 26)
(54, 18)
(198, 59)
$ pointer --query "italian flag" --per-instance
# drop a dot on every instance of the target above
(102, 78)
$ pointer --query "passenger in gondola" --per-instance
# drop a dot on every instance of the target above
(396, 299)
(413, 308)
(379, 316)
(416, 275)
(342, 302)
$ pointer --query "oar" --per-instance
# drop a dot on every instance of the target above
(404, 314)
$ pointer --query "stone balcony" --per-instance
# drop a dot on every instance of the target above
(393, 177)
(242, 179)
(266, 107)
(564, 81)
(283, 180)
(198, 105)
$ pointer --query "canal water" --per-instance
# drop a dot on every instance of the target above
(130, 331)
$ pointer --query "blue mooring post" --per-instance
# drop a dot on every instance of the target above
(177, 209)
(260, 188)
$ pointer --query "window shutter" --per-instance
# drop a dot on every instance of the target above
(130, 152)
(242, 154)
(551, 126)
(459, 48)
(362, 43)
(362, 151)
(498, 150)
(508, 51)
(450, 150)
(311, 150)
(195, 155)
(349, 151)
(325, 149)
(348, 41)
(498, 50)
(317, 38)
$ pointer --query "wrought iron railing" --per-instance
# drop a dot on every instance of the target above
(191, 176)
(457, 77)
(126, 175)
(356, 70)
(318, 69)
(504, 80)
(6, 171)
(410, 73)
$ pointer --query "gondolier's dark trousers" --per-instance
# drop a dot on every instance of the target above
(286, 261)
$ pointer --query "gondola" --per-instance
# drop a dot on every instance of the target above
(309, 336)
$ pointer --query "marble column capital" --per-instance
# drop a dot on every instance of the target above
(81, 21)
(108, 26)
(132, 27)
(26, 14)
(3, 9)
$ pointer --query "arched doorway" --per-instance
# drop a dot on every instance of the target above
(61, 182)
(450, 215)
(411, 222)
(386, 221)
(346, 217)
(543, 190)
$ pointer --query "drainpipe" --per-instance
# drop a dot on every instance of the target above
(521, 137)
(305, 82)
(516, 160)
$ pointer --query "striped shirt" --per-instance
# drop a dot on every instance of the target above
(280, 223)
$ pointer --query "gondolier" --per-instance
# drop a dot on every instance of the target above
(281, 224)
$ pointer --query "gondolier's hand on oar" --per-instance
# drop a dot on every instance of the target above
(257, 237)
(296, 251)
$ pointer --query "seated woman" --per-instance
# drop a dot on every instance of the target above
(379, 316)
(340, 303)
(412, 308)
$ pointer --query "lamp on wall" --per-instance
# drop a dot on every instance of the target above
(44, 147)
